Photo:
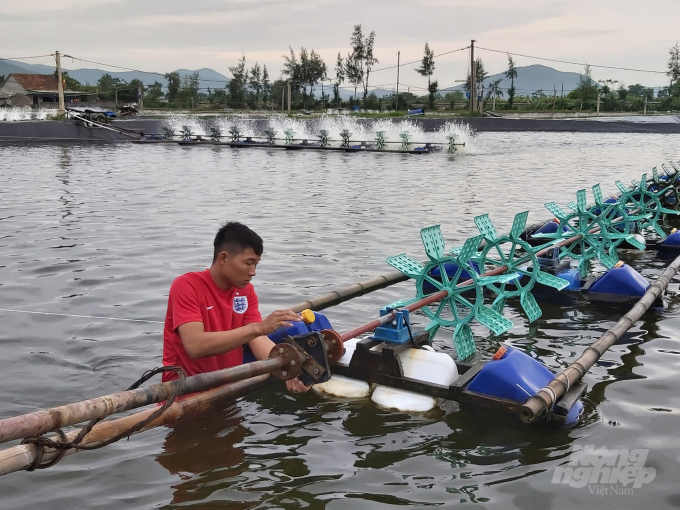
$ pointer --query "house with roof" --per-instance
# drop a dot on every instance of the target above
(37, 90)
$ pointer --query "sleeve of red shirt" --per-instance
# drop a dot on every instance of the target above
(183, 300)
(253, 312)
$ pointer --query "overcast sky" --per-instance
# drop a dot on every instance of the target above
(170, 34)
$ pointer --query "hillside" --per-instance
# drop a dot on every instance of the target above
(207, 77)
(535, 77)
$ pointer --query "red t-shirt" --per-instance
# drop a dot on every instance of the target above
(194, 297)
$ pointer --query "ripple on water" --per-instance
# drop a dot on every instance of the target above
(103, 230)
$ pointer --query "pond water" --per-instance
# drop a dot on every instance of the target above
(102, 230)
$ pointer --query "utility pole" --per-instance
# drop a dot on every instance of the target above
(645, 105)
(116, 99)
(283, 95)
(473, 85)
(554, 99)
(140, 97)
(397, 101)
(289, 97)
(598, 103)
(60, 85)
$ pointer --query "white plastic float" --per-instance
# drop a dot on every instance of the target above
(421, 364)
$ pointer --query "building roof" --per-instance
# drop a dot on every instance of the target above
(42, 82)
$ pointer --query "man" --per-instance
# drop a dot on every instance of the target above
(213, 313)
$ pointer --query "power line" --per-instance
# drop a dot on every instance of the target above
(573, 63)
(135, 70)
(418, 61)
(22, 58)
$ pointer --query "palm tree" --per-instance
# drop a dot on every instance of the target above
(495, 91)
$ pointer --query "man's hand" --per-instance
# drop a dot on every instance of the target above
(296, 385)
(276, 320)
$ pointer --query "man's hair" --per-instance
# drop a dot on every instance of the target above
(234, 238)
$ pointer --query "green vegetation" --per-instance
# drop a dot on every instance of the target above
(307, 75)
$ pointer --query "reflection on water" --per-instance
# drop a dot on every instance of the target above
(103, 231)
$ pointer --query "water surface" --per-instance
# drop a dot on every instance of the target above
(102, 230)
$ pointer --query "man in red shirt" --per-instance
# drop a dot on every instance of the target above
(213, 313)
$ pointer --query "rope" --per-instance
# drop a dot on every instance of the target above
(63, 444)
(81, 316)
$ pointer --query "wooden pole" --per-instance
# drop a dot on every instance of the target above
(60, 85)
(645, 106)
(554, 99)
(537, 405)
(598, 103)
(40, 422)
(396, 104)
(289, 97)
(19, 458)
(473, 85)
(283, 95)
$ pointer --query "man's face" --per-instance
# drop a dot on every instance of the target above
(238, 269)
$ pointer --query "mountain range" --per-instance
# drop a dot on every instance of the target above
(529, 78)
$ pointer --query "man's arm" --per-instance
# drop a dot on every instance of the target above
(198, 343)
(261, 346)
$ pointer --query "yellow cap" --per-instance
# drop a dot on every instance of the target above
(308, 316)
(674, 231)
(618, 264)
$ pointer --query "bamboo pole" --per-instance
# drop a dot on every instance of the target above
(19, 458)
(538, 405)
(43, 421)
(357, 289)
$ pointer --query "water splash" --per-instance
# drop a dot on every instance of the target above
(362, 130)
(18, 113)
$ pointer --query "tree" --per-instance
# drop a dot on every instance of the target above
(674, 65)
(495, 91)
(152, 93)
(237, 85)
(339, 78)
(189, 89)
(255, 81)
(369, 59)
(71, 83)
(266, 86)
(107, 83)
(511, 73)
(427, 69)
(361, 60)
(587, 88)
(174, 82)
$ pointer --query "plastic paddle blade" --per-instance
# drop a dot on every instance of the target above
(608, 260)
(597, 193)
(432, 329)
(581, 200)
(402, 303)
(634, 241)
(518, 224)
(493, 320)
(406, 265)
(485, 226)
(530, 306)
(456, 251)
(622, 187)
(464, 342)
(501, 278)
(551, 281)
(555, 210)
(643, 182)
(572, 205)
(659, 230)
(582, 267)
(655, 175)
(433, 241)
(469, 248)
(499, 304)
